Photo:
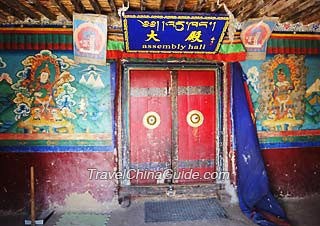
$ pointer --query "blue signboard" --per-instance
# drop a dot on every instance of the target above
(174, 32)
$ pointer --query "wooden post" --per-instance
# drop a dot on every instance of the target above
(32, 197)
(174, 134)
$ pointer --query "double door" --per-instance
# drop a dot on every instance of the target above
(172, 126)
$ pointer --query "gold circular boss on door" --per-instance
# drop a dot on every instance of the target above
(151, 120)
(195, 118)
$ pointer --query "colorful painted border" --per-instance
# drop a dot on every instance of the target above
(289, 139)
(48, 148)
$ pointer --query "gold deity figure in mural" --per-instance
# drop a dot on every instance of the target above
(282, 106)
(282, 90)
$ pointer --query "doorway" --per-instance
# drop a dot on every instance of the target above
(170, 123)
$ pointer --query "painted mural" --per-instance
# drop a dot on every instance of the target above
(283, 87)
(46, 96)
(285, 93)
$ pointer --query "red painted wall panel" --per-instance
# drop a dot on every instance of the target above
(293, 172)
(57, 176)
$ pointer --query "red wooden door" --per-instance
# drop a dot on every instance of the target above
(172, 125)
(196, 126)
(150, 125)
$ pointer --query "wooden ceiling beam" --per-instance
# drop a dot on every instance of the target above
(293, 8)
(12, 11)
(112, 5)
(237, 9)
(162, 5)
(63, 9)
(252, 10)
(210, 5)
(314, 17)
(21, 7)
(142, 5)
(304, 16)
(213, 7)
(242, 15)
(200, 5)
(43, 10)
(267, 5)
(78, 6)
(280, 6)
(2, 16)
(96, 6)
(296, 11)
(180, 5)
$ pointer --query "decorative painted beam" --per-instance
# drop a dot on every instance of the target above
(12, 11)
(96, 6)
(21, 7)
(63, 9)
(43, 10)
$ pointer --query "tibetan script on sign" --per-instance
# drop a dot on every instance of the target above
(174, 33)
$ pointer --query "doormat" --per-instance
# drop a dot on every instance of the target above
(83, 219)
(183, 210)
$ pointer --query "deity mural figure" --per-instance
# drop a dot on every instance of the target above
(49, 98)
(282, 90)
(42, 89)
(282, 105)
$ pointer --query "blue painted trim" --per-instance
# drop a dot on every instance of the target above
(44, 149)
(290, 145)
(113, 82)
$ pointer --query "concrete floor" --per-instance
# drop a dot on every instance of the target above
(134, 215)
(301, 212)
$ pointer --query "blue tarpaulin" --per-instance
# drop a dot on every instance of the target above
(255, 198)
